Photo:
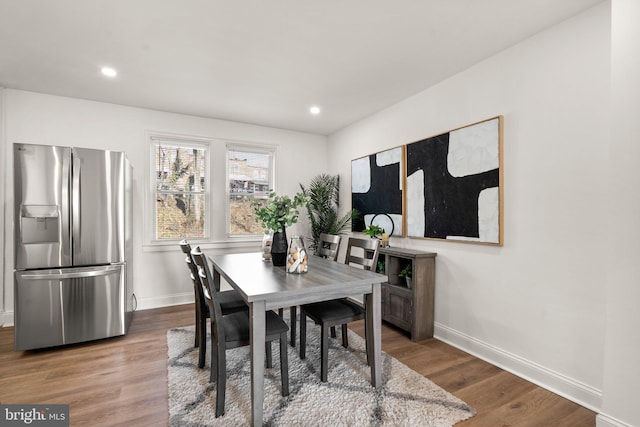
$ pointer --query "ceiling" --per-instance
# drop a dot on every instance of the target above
(259, 61)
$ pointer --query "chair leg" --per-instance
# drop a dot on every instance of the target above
(221, 386)
(303, 334)
(268, 355)
(333, 332)
(202, 339)
(324, 354)
(213, 375)
(367, 341)
(293, 313)
(345, 336)
(198, 317)
(284, 364)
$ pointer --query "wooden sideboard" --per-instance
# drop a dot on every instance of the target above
(409, 308)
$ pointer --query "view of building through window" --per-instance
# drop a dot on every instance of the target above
(250, 178)
(181, 189)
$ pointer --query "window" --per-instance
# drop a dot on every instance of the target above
(180, 184)
(250, 177)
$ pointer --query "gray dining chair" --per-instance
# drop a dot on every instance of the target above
(230, 302)
(327, 314)
(328, 246)
(232, 330)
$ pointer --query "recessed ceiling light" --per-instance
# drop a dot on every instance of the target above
(315, 110)
(109, 72)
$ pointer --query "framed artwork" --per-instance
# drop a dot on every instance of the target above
(377, 189)
(454, 185)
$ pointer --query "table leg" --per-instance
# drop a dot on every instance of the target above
(258, 328)
(374, 327)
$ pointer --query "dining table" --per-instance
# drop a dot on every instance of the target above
(267, 287)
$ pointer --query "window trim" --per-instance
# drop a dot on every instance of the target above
(269, 149)
(178, 140)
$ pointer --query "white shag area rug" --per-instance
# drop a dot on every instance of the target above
(405, 398)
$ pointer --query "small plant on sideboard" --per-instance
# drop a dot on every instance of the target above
(373, 230)
(406, 273)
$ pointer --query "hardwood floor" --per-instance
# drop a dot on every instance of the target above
(123, 381)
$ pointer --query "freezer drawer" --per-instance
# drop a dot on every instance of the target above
(71, 305)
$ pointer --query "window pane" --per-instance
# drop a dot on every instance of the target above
(250, 177)
(242, 218)
(180, 190)
(180, 168)
(180, 216)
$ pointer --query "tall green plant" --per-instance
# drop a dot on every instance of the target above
(322, 208)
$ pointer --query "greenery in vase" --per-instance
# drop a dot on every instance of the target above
(373, 230)
(323, 193)
(278, 212)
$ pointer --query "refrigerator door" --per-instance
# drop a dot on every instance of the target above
(41, 211)
(98, 213)
(64, 306)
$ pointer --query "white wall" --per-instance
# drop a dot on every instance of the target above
(3, 204)
(160, 276)
(622, 351)
(535, 305)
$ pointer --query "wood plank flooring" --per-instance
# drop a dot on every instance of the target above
(123, 381)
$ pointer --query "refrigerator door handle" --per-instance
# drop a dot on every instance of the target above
(94, 272)
(76, 217)
(65, 237)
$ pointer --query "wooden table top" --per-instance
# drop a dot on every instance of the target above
(257, 280)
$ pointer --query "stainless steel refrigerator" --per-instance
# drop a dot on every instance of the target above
(72, 252)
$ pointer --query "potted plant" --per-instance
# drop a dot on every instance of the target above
(373, 230)
(406, 273)
(277, 213)
(322, 207)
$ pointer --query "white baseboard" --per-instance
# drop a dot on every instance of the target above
(6, 318)
(603, 420)
(576, 391)
(164, 301)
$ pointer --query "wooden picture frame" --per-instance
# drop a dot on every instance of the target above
(454, 185)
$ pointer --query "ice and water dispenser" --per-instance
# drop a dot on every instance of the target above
(39, 224)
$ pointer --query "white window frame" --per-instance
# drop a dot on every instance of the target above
(186, 141)
(270, 150)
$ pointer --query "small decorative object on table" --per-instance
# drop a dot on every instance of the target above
(384, 242)
(277, 213)
(267, 240)
(297, 256)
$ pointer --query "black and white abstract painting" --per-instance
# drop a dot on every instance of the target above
(376, 190)
(453, 185)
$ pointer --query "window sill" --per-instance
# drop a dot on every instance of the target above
(253, 243)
